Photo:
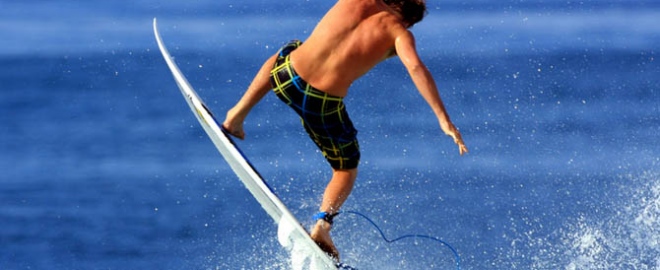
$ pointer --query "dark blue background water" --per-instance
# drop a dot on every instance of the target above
(104, 167)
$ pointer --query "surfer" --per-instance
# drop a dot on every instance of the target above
(314, 76)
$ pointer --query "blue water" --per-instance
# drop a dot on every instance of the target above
(104, 166)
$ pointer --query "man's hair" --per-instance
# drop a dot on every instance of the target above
(412, 11)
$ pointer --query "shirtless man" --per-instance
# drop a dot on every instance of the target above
(314, 76)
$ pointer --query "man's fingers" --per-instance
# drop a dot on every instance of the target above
(462, 149)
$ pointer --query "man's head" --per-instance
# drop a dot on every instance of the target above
(412, 11)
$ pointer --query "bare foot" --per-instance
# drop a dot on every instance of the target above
(321, 235)
(234, 124)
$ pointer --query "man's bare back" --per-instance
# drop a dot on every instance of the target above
(352, 38)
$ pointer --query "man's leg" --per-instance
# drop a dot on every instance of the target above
(259, 87)
(335, 195)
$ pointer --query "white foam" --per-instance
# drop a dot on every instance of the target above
(629, 238)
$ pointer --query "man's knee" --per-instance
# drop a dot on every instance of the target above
(349, 174)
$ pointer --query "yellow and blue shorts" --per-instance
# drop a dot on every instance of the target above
(324, 116)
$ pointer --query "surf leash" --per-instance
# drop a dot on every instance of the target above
(457, 258)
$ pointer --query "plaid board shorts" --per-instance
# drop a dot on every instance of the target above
(324, 116)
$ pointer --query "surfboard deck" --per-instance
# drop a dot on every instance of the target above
(305, 254)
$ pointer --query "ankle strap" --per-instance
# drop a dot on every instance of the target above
(327, 217)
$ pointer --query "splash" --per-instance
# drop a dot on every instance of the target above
(627, 239)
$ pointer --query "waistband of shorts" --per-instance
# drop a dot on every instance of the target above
(293, 75)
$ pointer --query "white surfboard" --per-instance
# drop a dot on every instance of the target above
(305, 254)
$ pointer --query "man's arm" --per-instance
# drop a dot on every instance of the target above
(256, 91)
(405, 49)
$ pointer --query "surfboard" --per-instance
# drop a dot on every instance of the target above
(305, 254)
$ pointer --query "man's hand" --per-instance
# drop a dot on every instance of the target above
(462, 149)
(452, 131)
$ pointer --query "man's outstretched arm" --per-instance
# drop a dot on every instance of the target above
(405, 49)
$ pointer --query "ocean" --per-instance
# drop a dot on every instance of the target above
(104, 166)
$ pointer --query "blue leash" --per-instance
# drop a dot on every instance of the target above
(456, 256)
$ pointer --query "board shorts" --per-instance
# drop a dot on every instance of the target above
(324, 116)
